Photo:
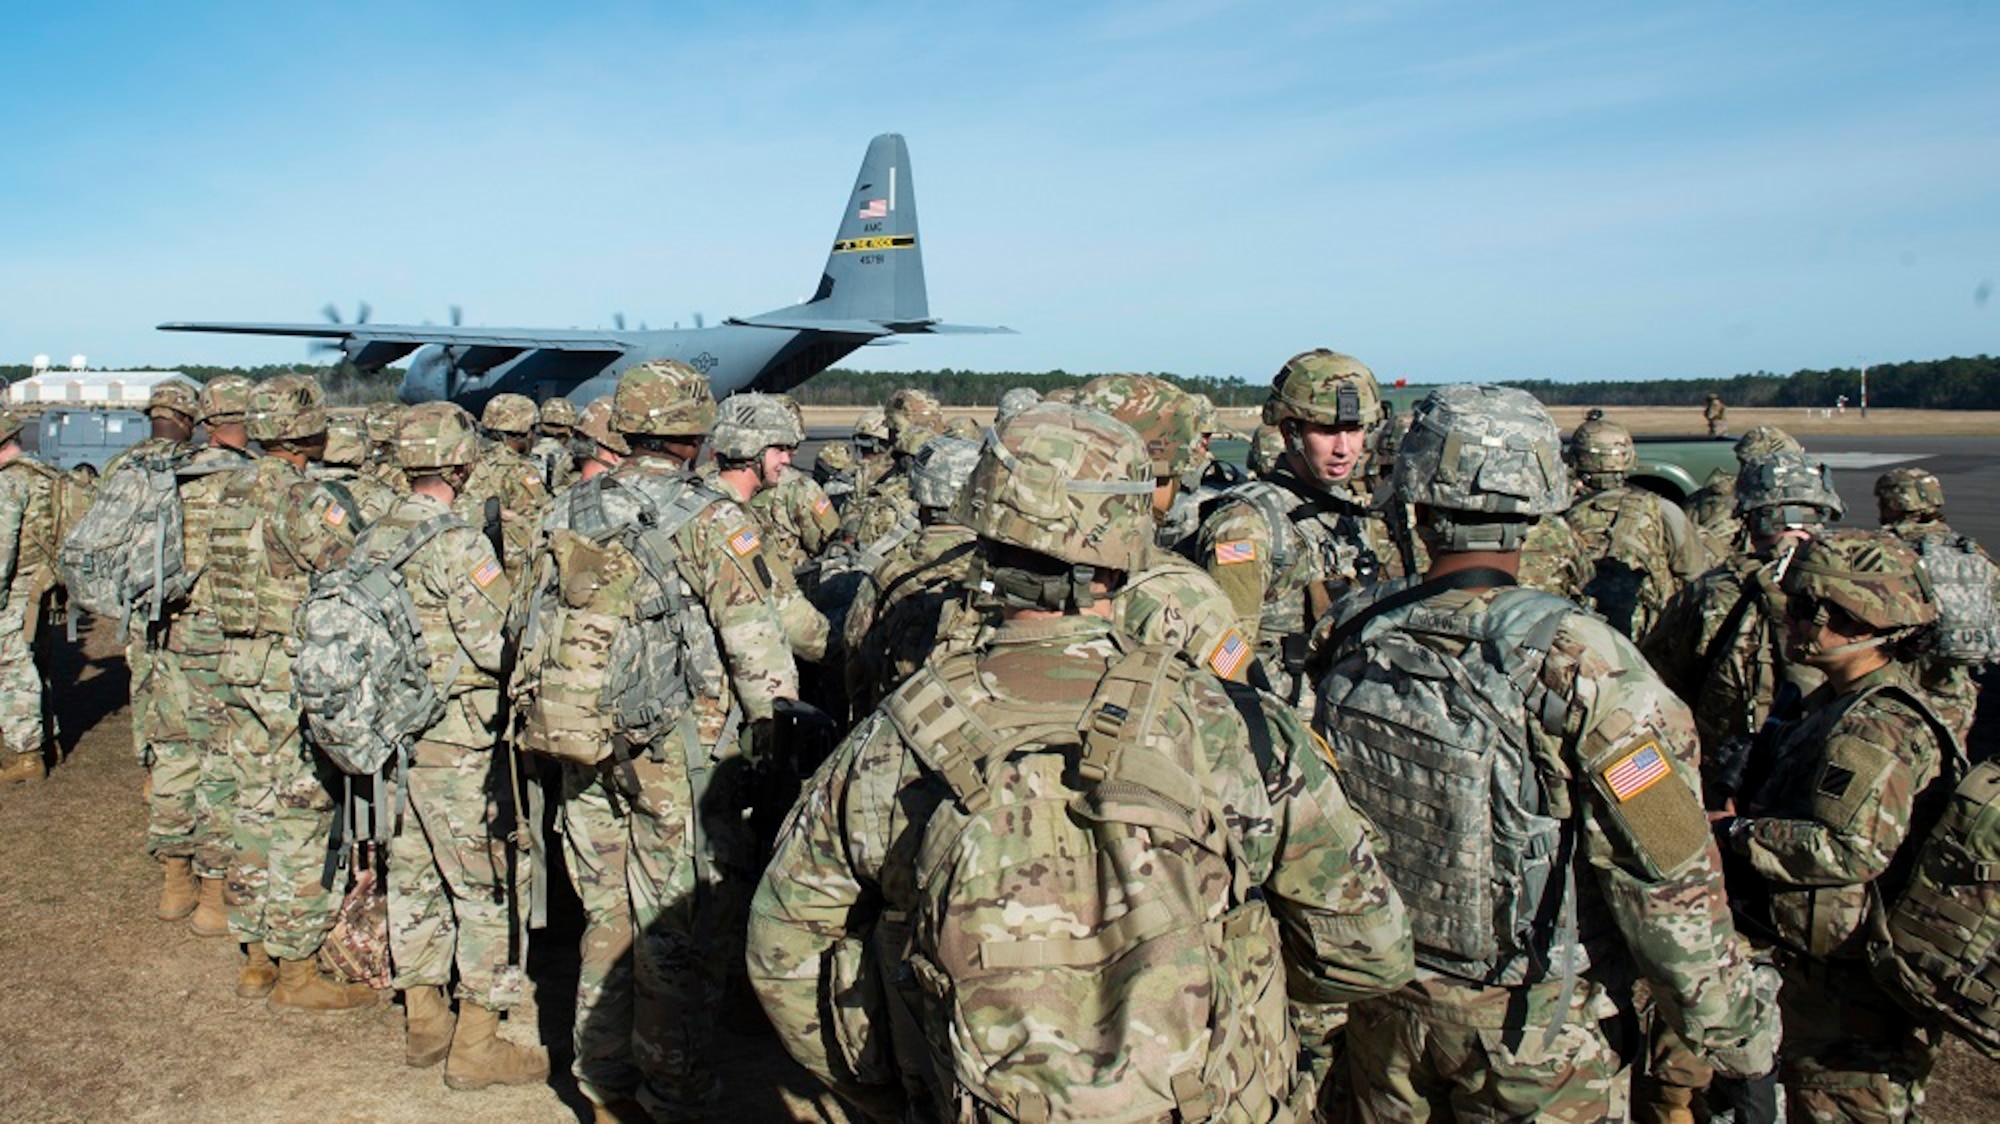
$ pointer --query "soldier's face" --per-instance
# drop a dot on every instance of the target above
(775, 459)
(1333, 453)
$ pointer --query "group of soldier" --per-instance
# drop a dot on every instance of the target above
(1057, 770)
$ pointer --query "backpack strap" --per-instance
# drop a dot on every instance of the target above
(346, 498)
(1121, 712)
(1475, 577)
(941, 730)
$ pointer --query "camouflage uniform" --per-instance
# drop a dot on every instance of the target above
(1717, 416)
(657, 848)
(826, 958)
(555, 426)
(29, 498)
(1828, 832)
(272, 530)
(381, 422)
(1285, 546)
(797, 518)
(1554, 559)
(1640, 546)
(882, 507)
(1910, 503)
(514, 478)
(343, 468)
(1495, 1026)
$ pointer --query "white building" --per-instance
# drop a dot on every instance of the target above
(79, 387)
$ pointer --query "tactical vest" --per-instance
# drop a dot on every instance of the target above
(617, 644)
(1630, 575)
(42, 525)
(1081, 881)
(1447, 739)
(1968, 624)
(257, 592)
(1331, 535)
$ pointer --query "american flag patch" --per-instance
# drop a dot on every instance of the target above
(744, 541)
(1636, 772)
(1239, 550)
(875, 209)
(1229, 655)
(335, 515)
(487, 573)
(822, 505)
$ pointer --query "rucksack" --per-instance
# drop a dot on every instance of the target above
(1082, 882)
(125, 556)
(1968, 625)
(1433, 745)
(613, 649)
(362, 674)
(1936, 947)
(1623, 586)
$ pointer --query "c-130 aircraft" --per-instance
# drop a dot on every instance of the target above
(871, 290)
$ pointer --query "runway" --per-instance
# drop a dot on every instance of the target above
(1969, 468)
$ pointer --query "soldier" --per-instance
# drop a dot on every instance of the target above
(507, 474)
(1168, 420)
(882, 515)
(554, 426)
(448, 886)
(915, 994)
(962, 427)
(1716, 415)
(797, 517)
(193, 647)
(833, 471)
(382, 420)
(1641, 548)
(1718, 643)
(1539, 783)
(173, 765)
(1910, 505)
(343, 470)
(33, 498)
(1284, 546)
(273, 528)
(895, 621)
(752, 443)
(654, 832)
(872, 449)
(1267, 445)
(1554, 558)
(1829, 830)
(1013, 401)
(598, 447)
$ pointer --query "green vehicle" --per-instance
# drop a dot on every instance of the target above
(1677, 467)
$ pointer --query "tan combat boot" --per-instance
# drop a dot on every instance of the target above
(177, 893)
(211, 911)
(301, 987)
(479, 1057)
(259, 974)
(429, 1024)
(22, 768)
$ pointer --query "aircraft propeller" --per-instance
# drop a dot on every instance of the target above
(332, 314)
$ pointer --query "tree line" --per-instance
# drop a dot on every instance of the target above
(1929, 384)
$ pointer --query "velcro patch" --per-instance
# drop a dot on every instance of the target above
(1834, 780)
(1234, 551)
(822, 505)
(1229, 655)
(1636, 772)
(745, 542)
(487, 573)
(335, 514)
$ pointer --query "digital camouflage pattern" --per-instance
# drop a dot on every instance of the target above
(1067, 482)
(512, 414)
(1485, 449)
(35, 500)
(1835, 813)
(816, 932)
(942, 467)
(1798, 487)
(1949, 682)
(746, 424)
(448, 885)
(1647, 876)
(1164, 416)
(1014, 400)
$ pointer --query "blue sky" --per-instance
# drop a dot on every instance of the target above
(1449, 191)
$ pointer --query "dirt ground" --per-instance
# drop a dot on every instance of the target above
(107, 1013)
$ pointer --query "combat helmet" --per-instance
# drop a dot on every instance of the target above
(1871, 576)
(558, 417)
(225, 400)
(747, 424)
(286, 408)
(511, 414)
(436, 435)
(1163, 415)
(1601, 447)
(174, 397)
(1207, 419)
(346, 437)
(1762, 441)
(833, 457)
(593, 428)
(1484, 462)
(1068, 484)
(1266, 446)
(1015, 400)
(663, 398)
(384, 418)
(910, 408)
(940, 471)
(871, 431)
(1908, 493)
(1785, 490)
(963, 427)
(1324, 387)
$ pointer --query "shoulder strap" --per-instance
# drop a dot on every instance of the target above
(346, 499)
(412, 542)
(1475, 577)
(1732, 626)
(942, 731)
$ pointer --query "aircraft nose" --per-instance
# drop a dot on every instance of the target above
(425, 381)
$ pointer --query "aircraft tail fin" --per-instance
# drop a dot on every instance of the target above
(876, 268)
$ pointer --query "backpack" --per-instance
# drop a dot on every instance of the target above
(1080, 885)
(1936, 947)
(125, 556)
(1433, 745)
(362, 673)
(1620, 530)
(613, 650)
(1968, 625)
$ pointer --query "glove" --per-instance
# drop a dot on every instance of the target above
(1757, 1054)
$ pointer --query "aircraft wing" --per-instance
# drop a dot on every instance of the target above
(377, 345)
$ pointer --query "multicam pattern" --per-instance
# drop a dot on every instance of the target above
(1164, 416)
(1068, 482)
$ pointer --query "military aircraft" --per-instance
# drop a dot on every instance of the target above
(871, 291)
